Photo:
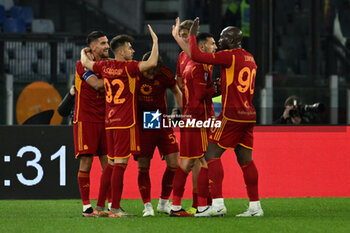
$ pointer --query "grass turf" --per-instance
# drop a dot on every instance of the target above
(281, 215)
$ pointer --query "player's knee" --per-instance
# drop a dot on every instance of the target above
(173, 163)
(188, 164)
(203, 162)
(172, 160)
(244, 155)
(85, 162)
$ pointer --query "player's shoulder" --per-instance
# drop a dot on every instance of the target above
(183, 55)
(246, 56)
(78, 64)
(240, 51)
(194, 64)
(166, 71)
(80, 69)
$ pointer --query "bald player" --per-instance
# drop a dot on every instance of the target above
(238, 116)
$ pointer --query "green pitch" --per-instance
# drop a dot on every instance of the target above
(281, 215)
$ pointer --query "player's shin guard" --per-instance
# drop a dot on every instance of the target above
(105, 183)
(84, 186)
(117, 184)
(144, 183)
(167, 182)
(216, 176)
(250, 174)
(203, 187)
(179, 185)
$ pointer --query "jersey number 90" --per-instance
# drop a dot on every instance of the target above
(246, 80)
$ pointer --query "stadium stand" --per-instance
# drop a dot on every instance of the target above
(7, 4)
(43, 26)
(2, 15)
(24, 13)
(14, 25)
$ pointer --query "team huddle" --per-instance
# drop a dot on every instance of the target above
(113, 94)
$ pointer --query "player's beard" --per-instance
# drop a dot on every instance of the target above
(104, 55)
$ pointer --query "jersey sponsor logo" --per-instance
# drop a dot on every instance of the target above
(151, 120)
(112, 71)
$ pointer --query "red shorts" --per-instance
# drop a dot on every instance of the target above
(163, 138)
(89, 138)
(232, 133)
(194, 142)
(123, 142)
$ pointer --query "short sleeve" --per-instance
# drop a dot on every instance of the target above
(80, 69)
(133, 68)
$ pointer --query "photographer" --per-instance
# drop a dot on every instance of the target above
(295, 113)
(66, 107)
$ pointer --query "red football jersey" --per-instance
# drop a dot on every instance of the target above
(89, 103)
(152, 92)
(238, 71)
(197, 91)
(120, 79)
(181, 63)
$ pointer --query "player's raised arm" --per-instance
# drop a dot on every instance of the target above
(175, 32)
(85, 61)
(153, 58)
(218, 58)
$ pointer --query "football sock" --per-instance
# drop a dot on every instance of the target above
(167, 182)
(216, 176)
(255, 205)
(203, 187)
(209, 200)
(163, 201)
(194, 198)
(117, 184)
(179, 185)
(105, 183)
(218, 202)
(84, 186)
(144, 183)
(176, 207)
(250, 174)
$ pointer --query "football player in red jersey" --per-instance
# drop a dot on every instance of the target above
(89, 130)
(197, 105)
(183, 32)
(238, 116)
(121, 76)
(152, 98)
